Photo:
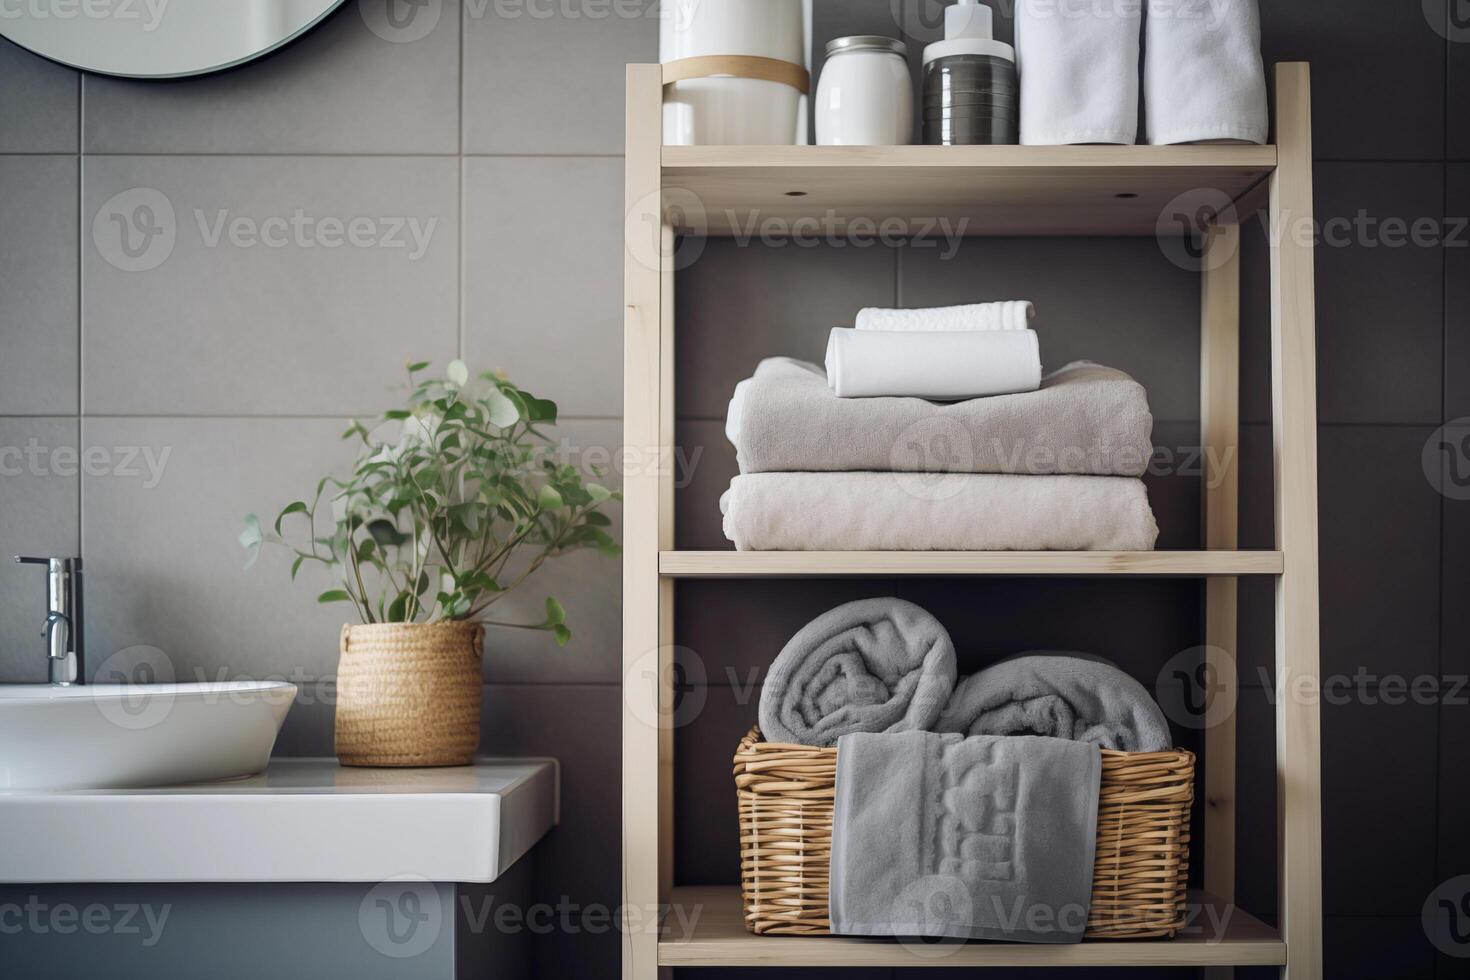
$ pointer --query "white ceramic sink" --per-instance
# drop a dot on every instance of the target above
(105, 736)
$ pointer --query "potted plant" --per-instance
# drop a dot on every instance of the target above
(453, 502)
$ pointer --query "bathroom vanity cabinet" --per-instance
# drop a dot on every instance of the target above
(309, 869)
(1070, 191)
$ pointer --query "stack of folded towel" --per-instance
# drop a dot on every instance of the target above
(1052, 463)
(960, 809)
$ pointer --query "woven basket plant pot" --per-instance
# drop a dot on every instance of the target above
(408, 694)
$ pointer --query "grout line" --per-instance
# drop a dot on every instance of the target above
(459, 176)
(366, 154)
(81, 300)
(200, 416)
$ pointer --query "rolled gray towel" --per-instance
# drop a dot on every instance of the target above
(875, 665)
(1062, 695)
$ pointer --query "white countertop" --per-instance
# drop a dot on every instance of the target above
(300, 820)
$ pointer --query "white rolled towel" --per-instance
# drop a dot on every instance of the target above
(1013, 314)
(1203, 79)
(941, 365)
(1078, 66)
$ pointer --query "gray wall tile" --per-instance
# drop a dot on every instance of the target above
(1379, 294)
(229, 323)
(341, 88)
(1391, 747)
(1457, 293)
(738, 303)
(165, 568)
(1339, 37)
(578, 863)
(38, 277)
(548, 78)
(39, 469)
(543, 277)
(1149, 329)
(40, 108)
(1457, 61)
(1379, 553)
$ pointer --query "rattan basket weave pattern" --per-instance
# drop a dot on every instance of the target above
(785, 795)
(408, 694)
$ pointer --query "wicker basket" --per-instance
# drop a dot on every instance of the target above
(785, 795)
(408, 694)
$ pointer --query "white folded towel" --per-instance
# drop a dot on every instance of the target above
(1203, 79)
(1014, 314)
(937, 512)
(1078, 64)
(942, 365)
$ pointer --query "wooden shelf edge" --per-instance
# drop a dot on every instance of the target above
(1068, 158)
(705, 928)
(797, 564)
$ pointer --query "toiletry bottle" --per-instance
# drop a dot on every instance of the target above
(970, 91)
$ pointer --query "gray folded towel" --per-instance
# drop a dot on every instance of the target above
(972, 838)
(1084, 419)
(1071, 696)
(875, 665)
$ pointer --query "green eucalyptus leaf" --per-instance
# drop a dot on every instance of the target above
(503, 412)
(554, 611)
(417, 366)
(398, 610)
(548, 497)
(334, 595)
(562, 634)
(295, 507)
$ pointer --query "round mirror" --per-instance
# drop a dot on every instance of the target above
(157, 38)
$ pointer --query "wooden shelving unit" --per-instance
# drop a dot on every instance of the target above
(999, 190)
(807, 564)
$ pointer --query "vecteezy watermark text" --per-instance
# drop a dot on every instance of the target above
(37, 917)
(147, 13)
(124, 462)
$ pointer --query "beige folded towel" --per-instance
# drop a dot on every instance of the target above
(937, 512)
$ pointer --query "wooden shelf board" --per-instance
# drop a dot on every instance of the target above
(801, 564)
(977, 190)
(716, 936)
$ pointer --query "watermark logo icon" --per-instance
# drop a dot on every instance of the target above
(135, 230)
(1450, 19)
(1446, 459)
(1446, 917)
(680, 672)
(401, 21)
(402, 916)
(932, 458)
(138, 701)
(1183, 226)
(933, 906)
(1193, 690)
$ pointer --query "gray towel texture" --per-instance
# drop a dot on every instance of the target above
(1085, 419)
(1070, 696)
(875, 665)
(971, 838)
(937, 512)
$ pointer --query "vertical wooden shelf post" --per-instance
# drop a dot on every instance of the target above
(647, 760)
(1220, 442)
(1294, 417)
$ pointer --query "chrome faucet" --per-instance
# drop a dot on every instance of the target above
(63, 627)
